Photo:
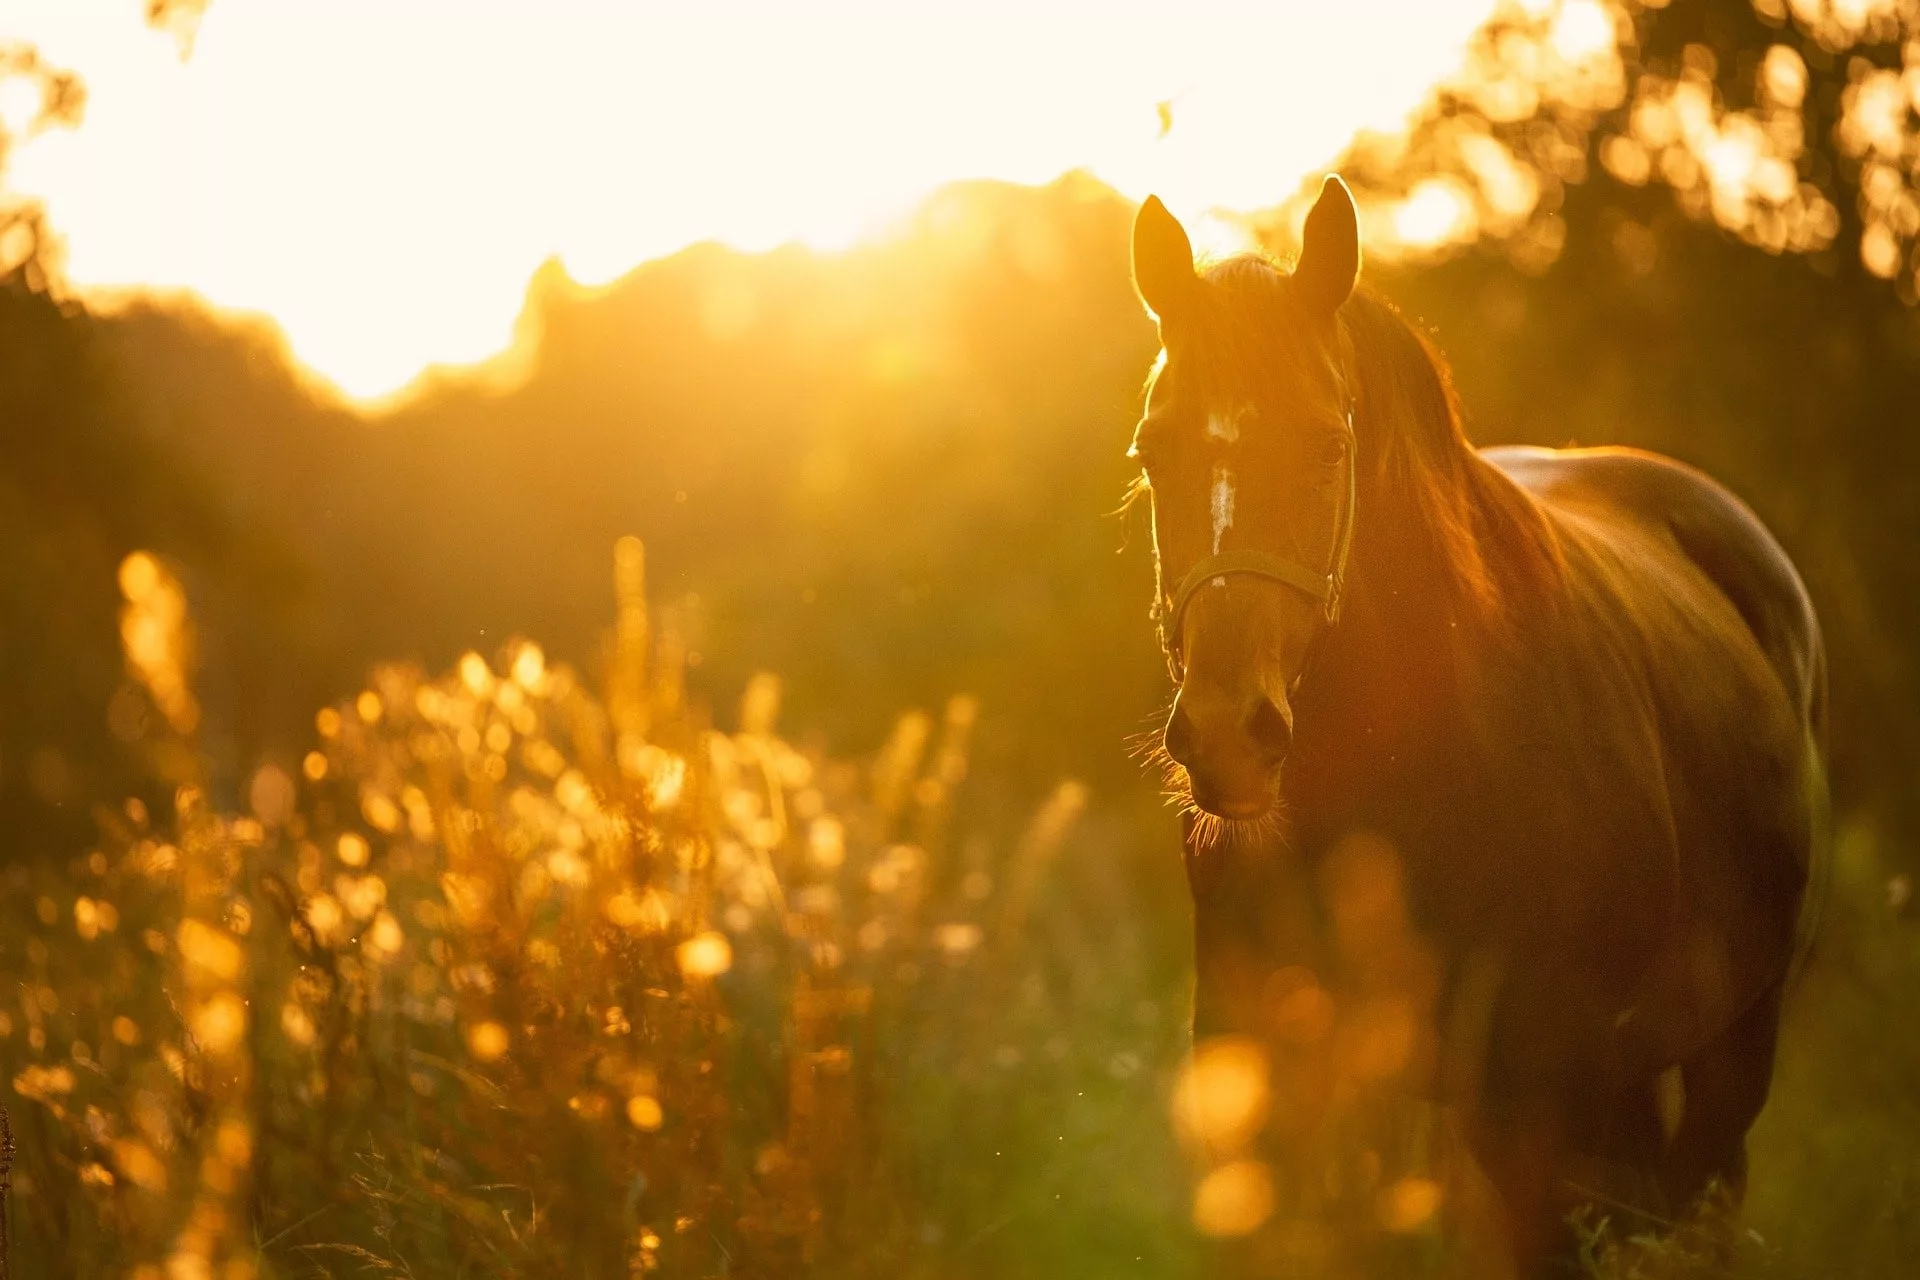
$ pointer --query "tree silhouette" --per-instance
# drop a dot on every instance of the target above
(1789, 124)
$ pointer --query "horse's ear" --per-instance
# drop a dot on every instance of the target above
(1162, 259)
(1329, 249)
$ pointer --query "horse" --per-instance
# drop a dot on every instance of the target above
(1579, 695)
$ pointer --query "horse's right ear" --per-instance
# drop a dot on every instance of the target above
(1329, 249)
(1162, 260)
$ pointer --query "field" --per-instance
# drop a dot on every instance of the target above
(518, 978)
(521, 977)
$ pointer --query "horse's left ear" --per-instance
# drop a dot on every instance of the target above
(1162, 260)
(1329, 249)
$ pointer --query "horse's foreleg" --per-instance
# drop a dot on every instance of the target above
(1724, 1087)
(1524, 1154)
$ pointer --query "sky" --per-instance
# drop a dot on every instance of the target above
(382, 177)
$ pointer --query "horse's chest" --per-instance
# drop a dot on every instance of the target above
(1548, 865)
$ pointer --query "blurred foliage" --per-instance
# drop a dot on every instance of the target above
(509, 980)
(179, 19)
(1793, 125)
(55, 98)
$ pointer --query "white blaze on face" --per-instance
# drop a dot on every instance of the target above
(1224, 427)
(1222, 504)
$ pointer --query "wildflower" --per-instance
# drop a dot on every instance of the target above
(530, 667)
(705, 955)
(271, 795)
(648, 910)
(488, 1041)
(323, 913)
(212, 953)
(1221, 1098)
(827, 843)
(353, 849)
(1234, 1199)
(139, 1165)
(645, 1113)
(380, 812)
(386, 936)
(362, 896)
(219, 1023)
(296, 1023)
(43, 1084)
(957, 939)
(475, 674)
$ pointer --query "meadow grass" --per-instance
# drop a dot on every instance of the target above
(511, 977)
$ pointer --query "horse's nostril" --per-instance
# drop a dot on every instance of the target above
(1178, 737)
(1270, 728)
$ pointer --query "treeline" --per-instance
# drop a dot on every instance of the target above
(888, 474)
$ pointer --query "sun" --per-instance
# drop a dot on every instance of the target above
(381, 179)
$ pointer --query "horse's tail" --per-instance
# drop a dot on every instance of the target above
(1813, 902)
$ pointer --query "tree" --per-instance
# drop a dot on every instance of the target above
(25, 244)
(1789, 124)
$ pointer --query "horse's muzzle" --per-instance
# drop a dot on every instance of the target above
(1231, 747)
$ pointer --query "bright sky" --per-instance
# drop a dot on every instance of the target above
(381, 177)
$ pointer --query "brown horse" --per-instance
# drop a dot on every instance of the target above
(1579, 694)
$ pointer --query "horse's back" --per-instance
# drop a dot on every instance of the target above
(1716, 532)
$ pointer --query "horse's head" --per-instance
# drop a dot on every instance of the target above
(1247, 448)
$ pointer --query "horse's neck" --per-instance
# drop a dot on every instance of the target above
(1391, 681)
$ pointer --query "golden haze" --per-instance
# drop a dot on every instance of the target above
(398, 171)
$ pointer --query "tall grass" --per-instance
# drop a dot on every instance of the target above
(6, 1190)
(510, 977)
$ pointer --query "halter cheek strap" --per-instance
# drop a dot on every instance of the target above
(1326, 587)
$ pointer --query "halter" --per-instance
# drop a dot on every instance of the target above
(1326, 587)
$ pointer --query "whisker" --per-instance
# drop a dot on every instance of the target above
(1211, 831)
(1133, 495)
(1208, 830)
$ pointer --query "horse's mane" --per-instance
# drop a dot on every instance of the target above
(1482, 532)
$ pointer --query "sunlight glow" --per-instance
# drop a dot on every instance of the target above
(1433, 213)
(1583, 30)
(382, 179)
(19, 104)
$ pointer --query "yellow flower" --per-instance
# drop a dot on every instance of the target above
(488, 1041)
(705, 955)
(645, 1113)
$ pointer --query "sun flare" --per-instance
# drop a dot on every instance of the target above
(382, 179)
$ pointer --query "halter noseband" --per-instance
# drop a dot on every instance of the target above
(1326, 587)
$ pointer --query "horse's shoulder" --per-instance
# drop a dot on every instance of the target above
(1615, 507)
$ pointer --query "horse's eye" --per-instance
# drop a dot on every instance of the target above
(1334, 451)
